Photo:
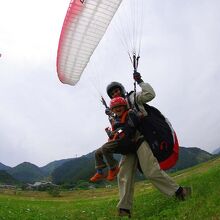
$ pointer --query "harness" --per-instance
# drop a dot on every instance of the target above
(159, 134)
(117, 129)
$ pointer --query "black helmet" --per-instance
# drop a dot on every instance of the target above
(114, 85)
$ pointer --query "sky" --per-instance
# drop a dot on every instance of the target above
(42, 120)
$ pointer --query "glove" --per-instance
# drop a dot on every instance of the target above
(109, 132)
(108, 111)
(137, 77)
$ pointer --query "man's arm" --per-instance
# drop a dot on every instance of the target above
(147, 93)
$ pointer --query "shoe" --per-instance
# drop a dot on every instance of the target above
(97, 177)
(183, 192)
(124, 213)
(112, 173)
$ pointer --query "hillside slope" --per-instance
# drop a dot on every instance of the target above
(4, 167)
(101, 203)
(216, 151)
(203, 204)
(27, 172)
(190, 156)
(50, 167)
(6, 178)
(72, 170)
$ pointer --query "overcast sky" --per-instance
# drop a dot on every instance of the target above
(42, 120)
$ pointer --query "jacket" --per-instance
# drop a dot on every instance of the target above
(145, 95)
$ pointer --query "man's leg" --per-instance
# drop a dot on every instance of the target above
(152, 171)
(126, 180)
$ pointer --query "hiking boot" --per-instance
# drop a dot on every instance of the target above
(183, 192)
(97, 177)
(112, 173)
(124, 213)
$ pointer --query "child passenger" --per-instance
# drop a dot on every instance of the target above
(121, 138)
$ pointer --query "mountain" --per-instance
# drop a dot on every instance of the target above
(83, 168)
(4, 167)
(27, 172)
(6, 178)
(190, 156)
(216, 151)
(74, 170)
(50, 167)
(70, 171)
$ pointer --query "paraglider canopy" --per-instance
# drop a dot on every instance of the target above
(85, 24)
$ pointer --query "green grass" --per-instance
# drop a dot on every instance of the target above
(101, 203)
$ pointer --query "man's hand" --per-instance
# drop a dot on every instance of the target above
(137, 77)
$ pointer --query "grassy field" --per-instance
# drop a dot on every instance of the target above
(100, 203)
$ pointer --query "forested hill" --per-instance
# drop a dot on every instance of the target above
(83, 167)
(72, 170)
(6, 178)
(50, 167)
(216, 151)
(4, 167)
(189, 157)
(27, 172)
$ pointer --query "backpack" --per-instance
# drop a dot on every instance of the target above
(161, 137)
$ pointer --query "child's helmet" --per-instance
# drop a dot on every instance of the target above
(118, 101)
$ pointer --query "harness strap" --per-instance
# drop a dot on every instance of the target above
(128, 99)
(124, 116)
(122, 121)
(135, 101)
